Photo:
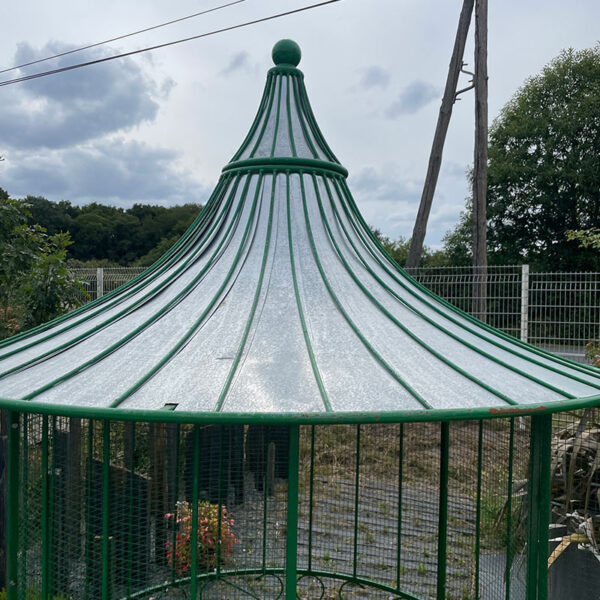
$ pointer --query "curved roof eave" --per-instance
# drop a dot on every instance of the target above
(280, 305)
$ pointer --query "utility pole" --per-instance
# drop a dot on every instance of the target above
(435, 158)
(479, 307)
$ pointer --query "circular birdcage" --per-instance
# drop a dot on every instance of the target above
(275, 409)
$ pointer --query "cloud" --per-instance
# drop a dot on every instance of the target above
(386, 185)
(116, 171)
(389, 197)
(412, 98)
(237, 62)
(74, 107)
(374, 77)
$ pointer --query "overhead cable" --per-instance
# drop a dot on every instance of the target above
(121, 37)
(180, 41)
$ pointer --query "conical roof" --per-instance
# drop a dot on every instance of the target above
(279, 303)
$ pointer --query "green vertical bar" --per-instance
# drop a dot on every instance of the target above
(51, 497)
(400, 477)
(356, 490)
(311, 494)
(12, 507)
(105, 509)
(265, 447)
(538, 507)
(194, 539)
(88, 512)
(478, 508)
(291, 546)
(220, 500)
(130, 507)
(545, 442)
(443, 511)
(532, 517)
(509, 492)
(44, 511)
(25, 498)
(175, 498)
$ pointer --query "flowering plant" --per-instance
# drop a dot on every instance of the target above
(179, 552)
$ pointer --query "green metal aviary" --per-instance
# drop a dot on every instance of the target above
(275, 409)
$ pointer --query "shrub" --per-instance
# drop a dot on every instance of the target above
(179, 552)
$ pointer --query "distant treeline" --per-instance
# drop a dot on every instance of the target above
(106, 234)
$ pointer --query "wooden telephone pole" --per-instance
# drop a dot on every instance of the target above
(480, 83)
(479, 307)
(435, 158)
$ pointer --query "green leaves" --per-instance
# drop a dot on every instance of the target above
(35, 285)
(544, 167)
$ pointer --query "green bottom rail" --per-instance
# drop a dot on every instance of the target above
(275, 572)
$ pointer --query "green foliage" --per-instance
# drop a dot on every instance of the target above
(32, 593)
(587, 238)
(398, 250)
(107, 233)
(543, 174)
(35, 285)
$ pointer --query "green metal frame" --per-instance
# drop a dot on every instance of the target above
(538, 515)
(324, 418)
(289, 574)
(12, 506)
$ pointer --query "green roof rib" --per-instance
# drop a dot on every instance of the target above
(468, 318)
(180, 269)
(346, 316)
(157, 315)
(231, 251)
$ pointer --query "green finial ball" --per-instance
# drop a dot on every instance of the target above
(286, 52)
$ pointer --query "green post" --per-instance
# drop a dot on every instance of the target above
(356, 501)
(291, 546)
(538, 514)
(45, 517)
(12, 507)
(478, 509)
(105, 510)
(509, 492)
(443, 511)
(194, 538)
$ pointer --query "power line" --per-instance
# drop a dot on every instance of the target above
(180, 41)
(121, 37)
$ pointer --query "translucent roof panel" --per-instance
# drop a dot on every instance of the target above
(279, 301)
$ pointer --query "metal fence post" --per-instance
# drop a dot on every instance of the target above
(524, 302)
(538, 507)
(99, 282)
(291, 546)
(12, 507)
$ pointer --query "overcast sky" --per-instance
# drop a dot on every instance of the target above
(158, 127)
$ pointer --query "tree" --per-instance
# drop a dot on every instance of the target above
(399, 251)
(35, 284)
(544, 170)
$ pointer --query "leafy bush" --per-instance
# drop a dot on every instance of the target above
(179, 553)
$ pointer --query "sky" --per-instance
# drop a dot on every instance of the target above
(158, 127)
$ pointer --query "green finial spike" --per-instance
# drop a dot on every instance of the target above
(286, 52)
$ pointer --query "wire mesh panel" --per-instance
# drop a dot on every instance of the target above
(574, 562)
(116, 510)
(559, 312)
(419, 510)
(564, 312)
(457, 285)
(99, 281)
